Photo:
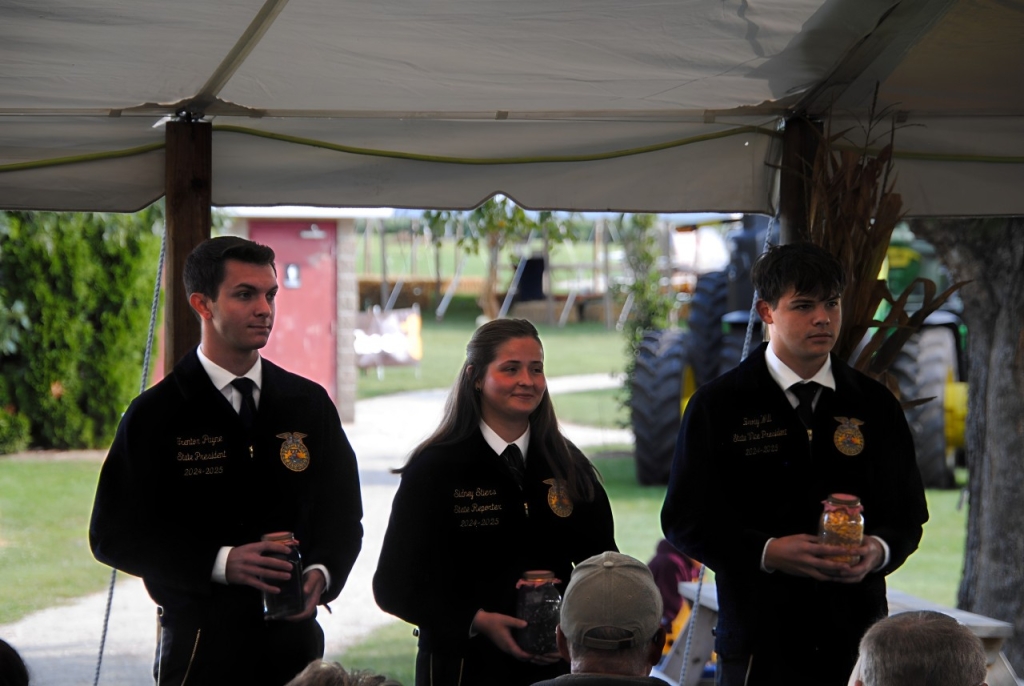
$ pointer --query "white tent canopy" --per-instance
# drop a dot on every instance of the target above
(667, 106)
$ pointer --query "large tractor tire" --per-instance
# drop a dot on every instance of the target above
(655, 405)
(709, 304)
(925, 364)
(734, 337)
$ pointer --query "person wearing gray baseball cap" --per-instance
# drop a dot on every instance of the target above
(610, 625)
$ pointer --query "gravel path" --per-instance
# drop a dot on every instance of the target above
(61, 644)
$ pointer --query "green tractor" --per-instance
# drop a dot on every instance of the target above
(932, 365)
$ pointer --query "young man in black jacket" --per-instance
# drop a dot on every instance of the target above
(224, 450)
(760, 448)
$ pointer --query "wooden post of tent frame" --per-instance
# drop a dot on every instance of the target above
(187, 185)
(799, 144)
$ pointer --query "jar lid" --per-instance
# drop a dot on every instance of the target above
(278, 536)
(843, 499)
(538, 575)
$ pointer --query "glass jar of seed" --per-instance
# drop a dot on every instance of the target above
(842, 524)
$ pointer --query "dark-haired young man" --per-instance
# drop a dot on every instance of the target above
(759, 450)
(225, 449)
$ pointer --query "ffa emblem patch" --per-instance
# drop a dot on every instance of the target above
(558, 498)
(294, 453)
(848, 438)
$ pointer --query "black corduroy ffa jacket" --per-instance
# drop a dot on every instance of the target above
(744, 471)
(183, 478)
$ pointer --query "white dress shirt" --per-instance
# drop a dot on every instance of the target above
(498, 444)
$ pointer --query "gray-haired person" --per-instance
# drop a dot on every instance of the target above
(922, 648)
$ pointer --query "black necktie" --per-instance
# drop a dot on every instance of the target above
(514, 460)
(805, 393)
(247, 412)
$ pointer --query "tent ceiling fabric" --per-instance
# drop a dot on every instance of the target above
(597, 104)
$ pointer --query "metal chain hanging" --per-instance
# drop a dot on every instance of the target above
(142, 386)
(753, 302)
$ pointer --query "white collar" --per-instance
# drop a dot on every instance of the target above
(222, 377)
(786, 377)
(498, 444)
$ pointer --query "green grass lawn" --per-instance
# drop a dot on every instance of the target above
(44, 547)
(934, 571)
(389, 650)
(592, 408)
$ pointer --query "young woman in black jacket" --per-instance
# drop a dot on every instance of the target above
(471, 516)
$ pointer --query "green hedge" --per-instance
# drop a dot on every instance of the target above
(14, 431)
(14, 425)
(84, 282)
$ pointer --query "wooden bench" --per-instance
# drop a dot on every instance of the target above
(992, 633)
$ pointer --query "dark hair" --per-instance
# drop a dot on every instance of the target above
(204, 267)
(462, 410)
(806, 268)
(13, 671)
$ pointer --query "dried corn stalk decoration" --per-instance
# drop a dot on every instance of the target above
(852, 211)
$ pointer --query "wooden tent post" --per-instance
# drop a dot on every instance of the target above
(799, 144)
(187, 184)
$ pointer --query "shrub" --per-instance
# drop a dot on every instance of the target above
(80, 277)
(651, 304)
(127, 249)
(14, 430)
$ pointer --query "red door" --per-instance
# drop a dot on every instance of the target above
(303, 339)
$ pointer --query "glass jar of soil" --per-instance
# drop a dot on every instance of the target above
(539, 603)
(290, 600)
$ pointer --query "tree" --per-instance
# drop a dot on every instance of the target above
(989, 253)
(490, 226)
(649, 303)
(440, 223)
(493, 225)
